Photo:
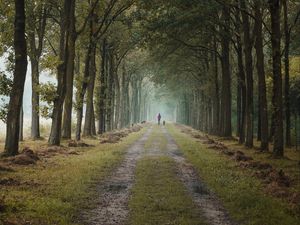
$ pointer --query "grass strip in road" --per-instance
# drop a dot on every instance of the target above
(156, 139)
(241, 193)
(53, 191)
(158, 197)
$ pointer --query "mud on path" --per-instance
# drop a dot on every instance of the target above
(207, 202)
(112, 207)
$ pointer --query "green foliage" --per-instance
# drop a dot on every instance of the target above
(3, 111)
(5, 88)
(48, 94)
(5, 84)
(6, 25)
(50, 62)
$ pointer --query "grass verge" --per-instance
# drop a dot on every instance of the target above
(240, 192)
(54, 190)
(158, 197)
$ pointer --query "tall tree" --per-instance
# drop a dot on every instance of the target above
(241, 86)
(68, 103)
(226, 76)
(36, 23)
(287, 39)
(263, 107)
(65, 13)
(20, 69)
(248, 45)
(101, 92)
(274, 6)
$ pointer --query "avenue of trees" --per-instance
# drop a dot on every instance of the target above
(91, 48)
(226, 62)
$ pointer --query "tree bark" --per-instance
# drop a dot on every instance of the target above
(277, 79)
(241, 86)
(37, 18)
(216, 108)
(55, 134)
(263, 106)
(127, 104)
(87, 130)
(249, 75)
(101, 118)
(93, 122)
(16, 95)
(226, 77)
(117, 100)
(109, 97)
(287, 76)
(21, 135)
(122, 120)
(68, 104)
(81, 92)
(35, 99)
(90, 53)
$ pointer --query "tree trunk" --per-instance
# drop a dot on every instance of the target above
(127, 104)
(109, 97)
(238, 107)
(123, 98)
(226, 77)
(68, 104)
(21, 136)
(263, 106)
(277, 79)
(16, 95)
(37, 22)
(241, 82)
(35, 36)
(55, 134)
(135, 100)
(258, 138)
(296, 130)
(101, 119)
(287, 76)
(81, 92)
(216, 108)
(87, 130)
(117, 100)
(86, 78)
(93, 122)
(35, 100)
(249, 75)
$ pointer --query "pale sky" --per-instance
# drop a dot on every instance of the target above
(44, 77)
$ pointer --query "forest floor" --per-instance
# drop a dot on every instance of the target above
(159, 175)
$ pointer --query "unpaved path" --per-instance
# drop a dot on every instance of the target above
(204, 199)
(115, 192)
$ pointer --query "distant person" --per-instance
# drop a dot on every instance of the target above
(158, 118)
(164, 123)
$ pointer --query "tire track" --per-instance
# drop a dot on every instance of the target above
(207, 202)
(114, 193)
